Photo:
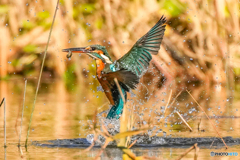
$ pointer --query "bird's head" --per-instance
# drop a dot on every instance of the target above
(94, 51)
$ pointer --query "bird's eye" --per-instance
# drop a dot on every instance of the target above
(93, 48)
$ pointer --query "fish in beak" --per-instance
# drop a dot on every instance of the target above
(87, 50)
(76, 50)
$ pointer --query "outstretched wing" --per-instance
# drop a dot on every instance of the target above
(138, 58)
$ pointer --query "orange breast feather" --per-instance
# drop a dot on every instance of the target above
(103, 81)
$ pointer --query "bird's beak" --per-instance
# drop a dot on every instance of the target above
(82, 50)
(87, 50)
(76, 50)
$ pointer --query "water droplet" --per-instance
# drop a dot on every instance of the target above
(88, 24)
(184, 40)
(6, 24)
(9, 62)
(191, 59)
(109, 42)
(27, 4)
(122, 41)
(227, 99)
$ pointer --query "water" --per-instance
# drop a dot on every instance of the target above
(62, 112)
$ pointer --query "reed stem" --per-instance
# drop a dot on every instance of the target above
(1, 102)
(5, 153)
(123, 120)
(208, 118)
(184, 120)
(5, 134)
(22, 113)
(40, 75)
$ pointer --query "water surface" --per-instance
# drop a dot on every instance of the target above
(62, 112)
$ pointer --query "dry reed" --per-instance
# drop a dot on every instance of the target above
(4, 121)
(123, 120)
(40, 75)
(22, 113)
(5, 130)
(184, 120)
(208, 119)
(187, 151)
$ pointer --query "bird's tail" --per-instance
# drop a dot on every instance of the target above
(127, 80)
(116, 110)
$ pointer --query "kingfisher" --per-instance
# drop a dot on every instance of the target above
(127, 70)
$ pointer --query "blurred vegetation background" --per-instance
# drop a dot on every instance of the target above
(201, 43)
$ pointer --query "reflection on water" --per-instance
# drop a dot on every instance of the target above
(109, 153)
(61, 113)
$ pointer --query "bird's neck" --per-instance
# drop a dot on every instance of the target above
(100, 66)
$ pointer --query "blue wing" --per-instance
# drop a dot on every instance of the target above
(138, 58)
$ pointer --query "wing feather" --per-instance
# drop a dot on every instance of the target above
(138, 58)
